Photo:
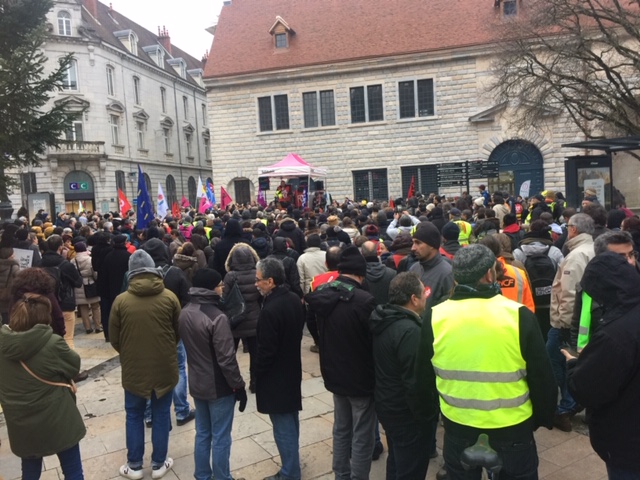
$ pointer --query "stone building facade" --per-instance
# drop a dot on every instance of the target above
(139, 100)
(374, 94)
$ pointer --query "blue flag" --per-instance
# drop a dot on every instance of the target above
(144, 207)
(210, 195)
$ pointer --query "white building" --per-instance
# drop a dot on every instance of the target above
(140, 101)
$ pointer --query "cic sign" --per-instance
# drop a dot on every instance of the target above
(78, 186)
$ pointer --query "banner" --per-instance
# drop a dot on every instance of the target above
(204, 204)
(524, 189)
(144, 208)
(175, 211)
(225, 198)
(163, 208)
(262, 197)
(125, 206)
(24, 257)
(200, 192)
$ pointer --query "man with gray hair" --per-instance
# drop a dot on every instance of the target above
(396, 337)
(278, 366)
(479, 337)
(580, 228)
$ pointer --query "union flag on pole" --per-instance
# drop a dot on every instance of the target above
(125, 206)
(225, 198)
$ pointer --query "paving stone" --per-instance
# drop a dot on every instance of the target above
(246, 452)
(568, 452)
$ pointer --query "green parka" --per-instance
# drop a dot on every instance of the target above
(143, 328)
(41, 419)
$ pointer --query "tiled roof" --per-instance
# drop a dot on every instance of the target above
(330, 31)
(110, 21)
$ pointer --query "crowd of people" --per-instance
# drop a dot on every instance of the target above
(488, 313)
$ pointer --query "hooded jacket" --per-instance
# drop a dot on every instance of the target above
(568, 276)
(378, 279)
(174, 278)
(606, 376)
(289, 229)
(396, 339)
(68, 275)
(534, 243)
(82, 262)
(41, 419)
(189, 265)
(342, 309)
(241, 269)
(211, 353)
(143, 328)
(232, 235)
(310, 264)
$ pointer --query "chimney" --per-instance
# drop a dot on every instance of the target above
(204, 59)
(92, 7)
(165, 39)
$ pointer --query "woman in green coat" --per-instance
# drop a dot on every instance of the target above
(35, 368)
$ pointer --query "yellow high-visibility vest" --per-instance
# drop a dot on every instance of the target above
(480, 372)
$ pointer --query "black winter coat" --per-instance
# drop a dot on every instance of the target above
(289, 229)
(342, 309)
(378, 279)
(241, 269)
(232, 235)
(114, 268)
(278, 366)
(69, 275)
(98, 254)
(174, 278)
(606, 377)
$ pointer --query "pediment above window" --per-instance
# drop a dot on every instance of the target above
(141, 115)
(166, 121)
(115, 106)
(72, 103)
(188, 128)
(280, 25)
(206, 133)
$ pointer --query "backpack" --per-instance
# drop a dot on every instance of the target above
(63, 290)
(541, 270)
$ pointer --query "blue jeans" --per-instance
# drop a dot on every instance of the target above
(214, 420)
(70, 462)
(161, 410)
(180, 403)
(286, 433)
(615, 473)
(559, 366)
(353, 436)
(519, 457)
(409, 447)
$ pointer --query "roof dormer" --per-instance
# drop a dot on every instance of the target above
(196, 74)
(179, 65)
(129, 39)
(281, 33)
(156, 53)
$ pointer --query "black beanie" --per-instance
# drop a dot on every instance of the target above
(451, 231)
(428, 233)
(206, 278)
(352, 262)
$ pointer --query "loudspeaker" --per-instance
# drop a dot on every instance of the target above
(319, 185)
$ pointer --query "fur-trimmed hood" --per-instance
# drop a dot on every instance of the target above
(241, 257)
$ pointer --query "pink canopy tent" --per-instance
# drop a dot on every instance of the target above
(292, 166)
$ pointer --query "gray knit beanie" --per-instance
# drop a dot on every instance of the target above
(140, 259)
(471, 263)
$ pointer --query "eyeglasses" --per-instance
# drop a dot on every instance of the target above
(570, 225)
(261, 279)
(631, 255)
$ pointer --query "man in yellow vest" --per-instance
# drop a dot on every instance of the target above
(491, 369)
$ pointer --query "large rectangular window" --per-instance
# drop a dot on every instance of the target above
(70, 79)
(366, 104)
(319, 109)
(273, 111)
(140, 134)
(114, 122)
(370, 185)
(416, 96)
(74, 133)
(111, 81)
(425, 179)
(166, 137)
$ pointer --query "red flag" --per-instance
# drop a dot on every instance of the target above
(225, 198)
(125, 206)
(204, 204)
(412, 188)
(184, 202)
(392, 204)
(175, 210)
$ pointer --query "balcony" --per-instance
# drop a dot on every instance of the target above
(70, 147)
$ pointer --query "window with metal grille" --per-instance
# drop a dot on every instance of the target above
(510, 8)
(426, 179)
(191, 190)
(416, 96)
(265, 114)
(366, 104)
(322, 112)
(171, 190)
(370, 184)
(281, 40)
(273, 111)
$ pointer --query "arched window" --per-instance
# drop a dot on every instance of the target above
(191, 188)
(64, 23)
(171, 191)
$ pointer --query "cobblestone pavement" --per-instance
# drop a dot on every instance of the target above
(563, 456)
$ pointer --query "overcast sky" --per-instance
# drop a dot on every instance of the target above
(185, 19)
